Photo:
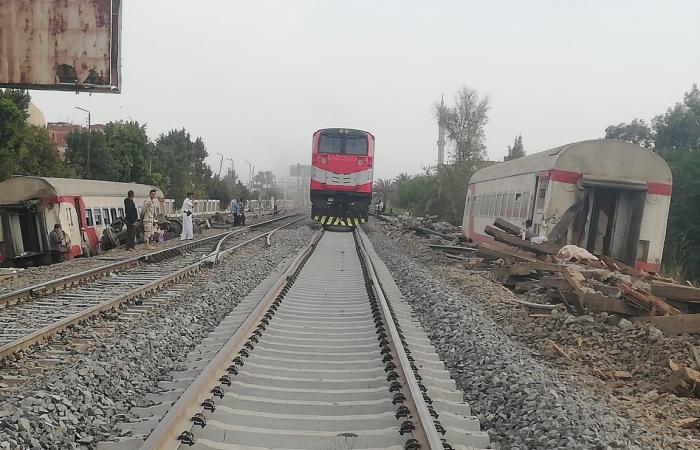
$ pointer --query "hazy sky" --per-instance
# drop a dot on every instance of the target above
(255, 79)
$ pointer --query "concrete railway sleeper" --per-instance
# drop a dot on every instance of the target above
(322, 354)
(31, 322)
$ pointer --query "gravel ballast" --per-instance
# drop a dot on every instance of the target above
(75, 406)
(521, 403)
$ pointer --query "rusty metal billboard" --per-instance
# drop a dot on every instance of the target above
(67, 45)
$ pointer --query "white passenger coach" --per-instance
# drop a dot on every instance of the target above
(30, 206)
(608, 196)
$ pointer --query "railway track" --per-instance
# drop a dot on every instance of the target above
(324, 354)
(37, 312)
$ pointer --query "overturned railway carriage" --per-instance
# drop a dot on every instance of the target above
(31, 206)
(610, 197)
(341, 178)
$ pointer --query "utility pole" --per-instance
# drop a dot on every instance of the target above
(221, 163)
(233, 169)
(89, 138)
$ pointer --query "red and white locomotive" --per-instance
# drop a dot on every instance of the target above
(341, 178)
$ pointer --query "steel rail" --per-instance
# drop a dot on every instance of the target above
(178, 418)
(60, 325)
(71, 280)
(425, 431)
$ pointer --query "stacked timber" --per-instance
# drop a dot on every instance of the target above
(588, 285)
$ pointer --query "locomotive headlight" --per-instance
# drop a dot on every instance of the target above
(324, 160)
(360, 162)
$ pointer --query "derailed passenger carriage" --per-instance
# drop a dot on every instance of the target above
(608, 196)
(341, 179)
(31, 206)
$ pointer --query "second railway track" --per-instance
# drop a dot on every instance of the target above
(324, 354)
(40, 311)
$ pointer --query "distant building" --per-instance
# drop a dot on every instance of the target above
(59, 130)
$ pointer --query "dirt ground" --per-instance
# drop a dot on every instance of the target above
(627, 369)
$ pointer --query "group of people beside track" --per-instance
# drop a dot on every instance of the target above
(59, 242)
(149, 220)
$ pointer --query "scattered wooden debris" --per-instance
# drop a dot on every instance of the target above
(684, 381)
(589, 286)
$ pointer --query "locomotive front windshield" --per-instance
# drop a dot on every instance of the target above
(343, 144)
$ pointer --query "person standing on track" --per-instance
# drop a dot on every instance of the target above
(132, 216)
(56, 243)
(187, 208)
(148, 217)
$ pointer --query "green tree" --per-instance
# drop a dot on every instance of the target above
(88, 154)
(38, 155)
(517, 150)
(24, 149)
(636, 132)
(465, 124)
(679, 128)
(131, 151)
(180, 160)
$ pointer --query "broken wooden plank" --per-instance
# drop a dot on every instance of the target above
(575, 280)
(676, 292)
(676, 324)
(508, 227)
(545, 248)
(496, 250)
(595, 303)
(649, 300)
(624, 268)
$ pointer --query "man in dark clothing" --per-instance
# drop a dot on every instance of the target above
(132, 216)
(55, 243)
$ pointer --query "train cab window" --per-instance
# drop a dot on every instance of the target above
(98, 216)
(120, 212)
(356, 145)
(113, 214)
(330, 144)
(88, 218)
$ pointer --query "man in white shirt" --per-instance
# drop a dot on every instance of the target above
(187, 205)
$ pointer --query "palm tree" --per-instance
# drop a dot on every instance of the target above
(401, 179)
(384, 188)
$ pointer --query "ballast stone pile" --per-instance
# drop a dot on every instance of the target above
(77, 406)
(520, 402)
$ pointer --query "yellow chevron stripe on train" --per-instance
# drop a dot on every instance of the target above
(340, 221)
